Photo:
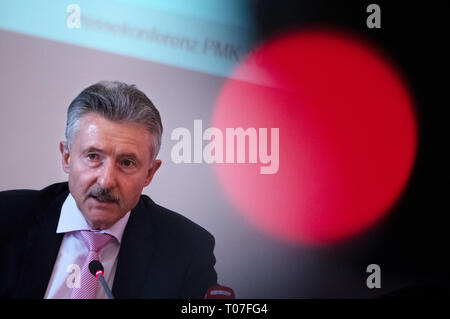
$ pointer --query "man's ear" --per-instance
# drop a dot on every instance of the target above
(64, 156)
(152, 170)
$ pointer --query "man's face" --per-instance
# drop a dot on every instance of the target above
(109, 163)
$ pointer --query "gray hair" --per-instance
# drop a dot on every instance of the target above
(115, 101)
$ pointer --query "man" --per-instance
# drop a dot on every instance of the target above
(48, 237)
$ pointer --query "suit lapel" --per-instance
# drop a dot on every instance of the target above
(41, 251)
(135, 253)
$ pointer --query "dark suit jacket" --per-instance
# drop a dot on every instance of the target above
(162, 254)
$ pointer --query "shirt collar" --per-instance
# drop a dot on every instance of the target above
(71, 219)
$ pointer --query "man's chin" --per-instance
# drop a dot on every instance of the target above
(99, 223)
(99, 218)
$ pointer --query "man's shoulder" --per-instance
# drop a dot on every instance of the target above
(27, 197)
(18, 206)
(175, 225)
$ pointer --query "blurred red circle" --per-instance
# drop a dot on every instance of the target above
(347, 136)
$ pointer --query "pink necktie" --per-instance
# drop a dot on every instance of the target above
(94, 242)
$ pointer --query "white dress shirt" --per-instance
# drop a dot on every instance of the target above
(73, 250)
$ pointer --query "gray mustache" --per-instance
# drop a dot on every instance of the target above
(102, 194)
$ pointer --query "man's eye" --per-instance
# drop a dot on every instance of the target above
(92, 157)
(127, 163)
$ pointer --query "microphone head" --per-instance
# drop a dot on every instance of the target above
(94, 267)
(220, 292)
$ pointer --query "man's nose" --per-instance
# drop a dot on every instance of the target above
(107, 177)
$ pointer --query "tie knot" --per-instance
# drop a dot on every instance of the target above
(95, 241)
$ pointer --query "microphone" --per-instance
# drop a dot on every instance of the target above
(96, 269)
(219, 292)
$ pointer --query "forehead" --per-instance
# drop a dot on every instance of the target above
(96, 131)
